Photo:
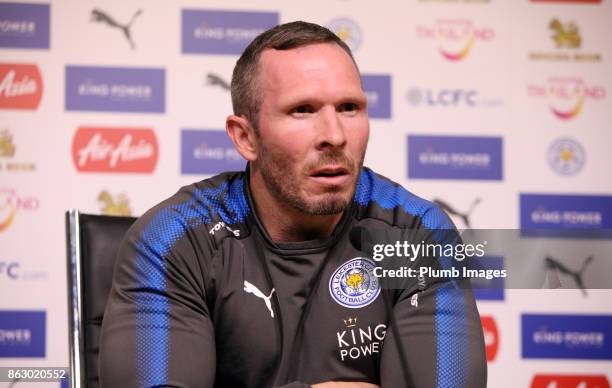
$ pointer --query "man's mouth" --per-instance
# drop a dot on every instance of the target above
(330, 172)
(331, 175)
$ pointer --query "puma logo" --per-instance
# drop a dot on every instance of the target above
(251, 289)
(99, 16)
(576, 275)
(465, 216)
(215, 80)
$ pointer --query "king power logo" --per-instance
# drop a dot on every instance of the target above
(355, 342)
(455, 37)
(21, 86)
(124, 150)
(566, 96)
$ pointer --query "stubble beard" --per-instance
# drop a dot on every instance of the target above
(283, 183)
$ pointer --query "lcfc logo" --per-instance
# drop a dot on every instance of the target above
(353, 284)
(566, 156)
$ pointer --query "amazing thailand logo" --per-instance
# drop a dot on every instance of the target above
(353, 284)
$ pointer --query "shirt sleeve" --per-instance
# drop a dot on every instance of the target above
(435, 338)
(157, 329)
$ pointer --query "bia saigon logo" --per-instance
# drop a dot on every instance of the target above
(456, 37)
(566, 95)
(353, 284)
(566, 156)
(7, 151)
(21, 86)
(11, 204)
(491, 336)
(114, 205)
(114, 150)
(567, 41)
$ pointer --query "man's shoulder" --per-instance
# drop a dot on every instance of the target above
(379, 197)
(219, 200)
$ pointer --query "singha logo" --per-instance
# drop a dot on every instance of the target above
(7, 148)
(215, 80)
(114, 206)
(464, 216)
(565, 36)
(554, 265)
(99, 16)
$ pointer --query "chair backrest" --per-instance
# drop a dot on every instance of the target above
(93, 241)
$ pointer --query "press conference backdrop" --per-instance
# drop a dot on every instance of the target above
(499, 110)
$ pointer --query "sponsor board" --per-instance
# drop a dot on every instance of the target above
(208, 152)
(455, 157)
(21, 86)
(487, 289)
(568, 1)
(115, 89)
(566, 156)
(569, 381)
(566, 96)
(222, 32)
(378, 92)
(561, 215)
(554, 336)
(13, 270)
(456, 1)
(12, 203)
(450, 98)
(491, 336)
(114, 205)
(103, 17)
(22, 334)
(127, 150)
(567, 41)
(347, 30)
(455, 37)
(24, 25)
(8, 149)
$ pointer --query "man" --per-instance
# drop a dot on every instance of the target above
(248, 279)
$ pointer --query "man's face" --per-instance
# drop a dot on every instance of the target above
(313, 127)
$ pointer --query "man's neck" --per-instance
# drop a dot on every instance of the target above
(284, 223)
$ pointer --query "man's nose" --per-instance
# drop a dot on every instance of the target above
(331, 129)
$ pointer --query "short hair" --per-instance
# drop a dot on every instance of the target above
(246, 94)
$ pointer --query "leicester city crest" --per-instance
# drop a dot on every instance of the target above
(353, 284)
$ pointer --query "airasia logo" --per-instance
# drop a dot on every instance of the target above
(570, 381)
(115, 150)
(21, 86)
(491, 336)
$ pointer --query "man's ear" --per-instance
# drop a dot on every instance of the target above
(242, 133)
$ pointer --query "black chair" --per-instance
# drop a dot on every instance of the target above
(93, 241)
